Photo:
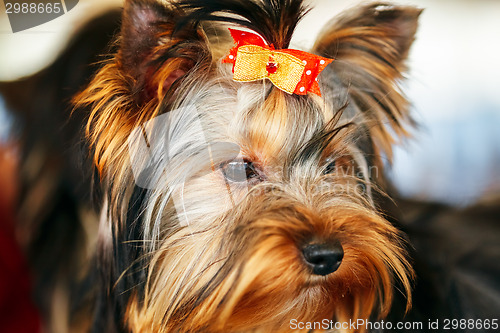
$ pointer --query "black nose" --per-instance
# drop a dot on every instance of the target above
(323, 258)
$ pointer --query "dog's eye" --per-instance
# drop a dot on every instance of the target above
(339, 162)
(330, 167)
(239, 171)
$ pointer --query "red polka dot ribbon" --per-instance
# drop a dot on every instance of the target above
(293, 71)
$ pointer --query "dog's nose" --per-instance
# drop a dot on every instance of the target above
(324, 258)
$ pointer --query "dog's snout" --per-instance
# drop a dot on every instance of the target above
(324, 258)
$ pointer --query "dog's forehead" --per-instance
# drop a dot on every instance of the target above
(268, 125)
(275, 126)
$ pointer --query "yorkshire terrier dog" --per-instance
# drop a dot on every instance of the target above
(242, 177)
(190, 171)
(242, 180)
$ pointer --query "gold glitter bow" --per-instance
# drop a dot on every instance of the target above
(292, 71)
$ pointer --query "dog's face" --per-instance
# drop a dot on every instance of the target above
(237, 207)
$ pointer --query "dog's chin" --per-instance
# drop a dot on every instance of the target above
(263, 283)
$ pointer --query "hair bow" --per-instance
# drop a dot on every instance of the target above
(293, 71)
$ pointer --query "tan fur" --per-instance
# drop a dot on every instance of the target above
(236, 266)
(268, 284)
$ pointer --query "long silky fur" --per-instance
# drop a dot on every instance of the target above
(235, 264)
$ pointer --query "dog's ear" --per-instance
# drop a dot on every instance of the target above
(370, 47)
(153, 51)
(153, 58)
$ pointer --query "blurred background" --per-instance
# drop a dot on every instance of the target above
(454, 85)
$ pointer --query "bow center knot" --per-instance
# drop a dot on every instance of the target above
(271, 66)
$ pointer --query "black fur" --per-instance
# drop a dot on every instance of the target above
(121, 269)
(274, 20)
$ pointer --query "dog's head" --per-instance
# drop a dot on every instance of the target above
(235, 206)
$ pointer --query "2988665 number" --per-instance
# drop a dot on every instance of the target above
(32, 8)
(471, 324)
